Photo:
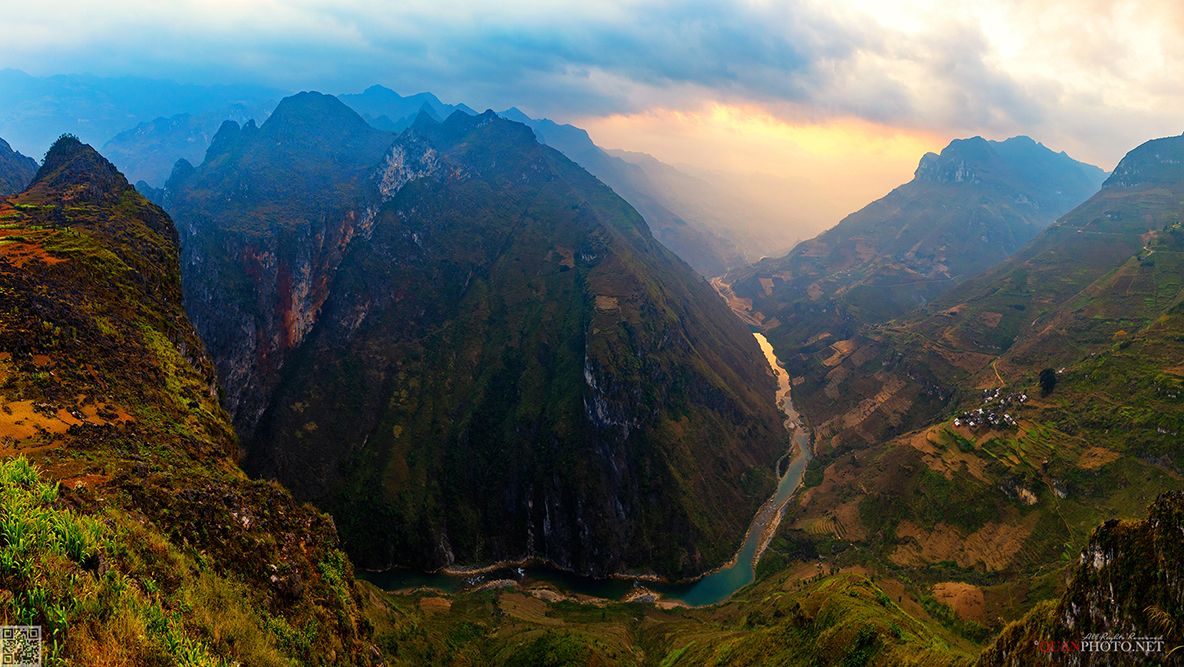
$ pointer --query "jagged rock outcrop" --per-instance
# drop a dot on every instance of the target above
(1124, 604)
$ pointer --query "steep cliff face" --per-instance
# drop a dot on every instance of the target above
(265, 221)
(1124, 604)
(469, 349)
(16, 170)
(512, 367)
(142, 542)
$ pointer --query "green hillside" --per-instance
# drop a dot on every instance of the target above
(914, 480)
(128, 532)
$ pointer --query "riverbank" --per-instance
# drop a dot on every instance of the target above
(711, 587)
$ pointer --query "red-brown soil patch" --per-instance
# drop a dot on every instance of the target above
(992, 547)
(20, 254)
(965, 599)
(435, 605)
(1096, 457)
(85, 480)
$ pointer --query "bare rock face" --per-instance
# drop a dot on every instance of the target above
(265, 222)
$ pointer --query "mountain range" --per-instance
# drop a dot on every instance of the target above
(408, 327)
(387, 110)
(147, 153)
(38, 109)
(974, 444)
(691, 225)
(965, 210)
(1047, 304)
(451, 335)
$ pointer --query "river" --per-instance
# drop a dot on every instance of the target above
(713, 588)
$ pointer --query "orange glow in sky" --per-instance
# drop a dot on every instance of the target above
(799, 177)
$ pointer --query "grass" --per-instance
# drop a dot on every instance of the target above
(840, 619)
(99, 582)
(52, 566)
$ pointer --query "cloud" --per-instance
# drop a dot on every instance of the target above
(1092, 76)
(788, 181)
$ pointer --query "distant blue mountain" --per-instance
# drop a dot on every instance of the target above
(148, 151)
(387, 110)
(37, 110)
(16, 170)
(145, 126)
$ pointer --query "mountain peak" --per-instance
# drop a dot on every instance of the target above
(515, 114)
(972, 148)
(379, 89)
(227, 134)
(459, 124)
(956, 163)
(1014, 161)
(1022, 139)
(424, 120)
(379, 93)
(311, 109)
(377, 101)
(1156, 162)
(66, 148)
(73, 166)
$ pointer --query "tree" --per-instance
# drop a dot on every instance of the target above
(1048, 381)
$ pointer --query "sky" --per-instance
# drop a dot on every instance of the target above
(811, 107)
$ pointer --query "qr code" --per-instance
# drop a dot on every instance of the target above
(20, 646)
